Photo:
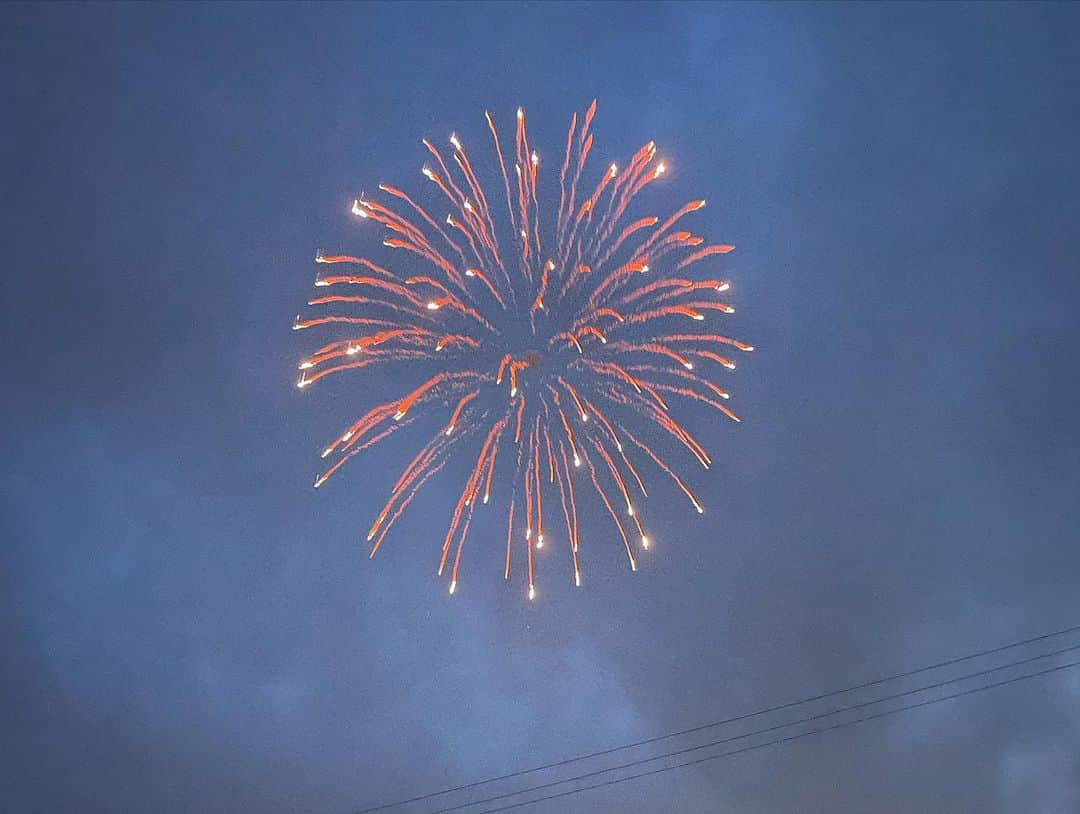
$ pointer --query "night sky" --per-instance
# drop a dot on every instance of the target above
(187, 626)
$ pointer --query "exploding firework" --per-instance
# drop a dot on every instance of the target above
(556, 359)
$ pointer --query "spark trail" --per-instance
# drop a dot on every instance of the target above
(548, 329)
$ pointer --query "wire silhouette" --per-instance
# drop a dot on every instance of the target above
(764, 731)
(725, 721)
(841, 725)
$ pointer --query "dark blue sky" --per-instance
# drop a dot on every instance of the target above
(187, 626)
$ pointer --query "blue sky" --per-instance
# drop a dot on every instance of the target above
(187, 626)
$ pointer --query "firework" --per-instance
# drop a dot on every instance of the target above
(554, 335)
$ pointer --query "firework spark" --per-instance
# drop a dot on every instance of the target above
(545, 342)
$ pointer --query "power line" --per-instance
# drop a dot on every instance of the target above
(788, 739)
(764, 731)
(768, 710)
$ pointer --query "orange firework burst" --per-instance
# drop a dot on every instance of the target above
(547, 351)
